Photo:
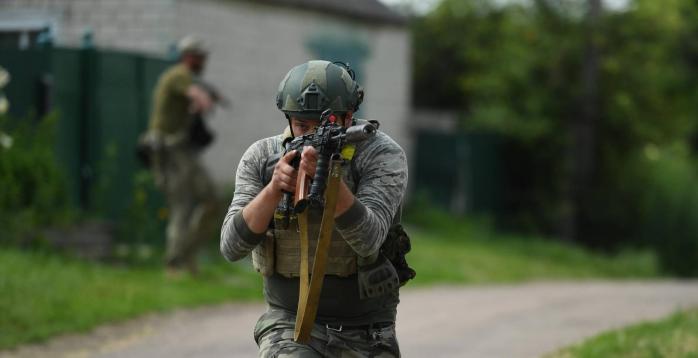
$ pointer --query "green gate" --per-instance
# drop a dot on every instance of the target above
(102, 99)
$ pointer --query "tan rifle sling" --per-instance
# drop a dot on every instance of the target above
(309, 293)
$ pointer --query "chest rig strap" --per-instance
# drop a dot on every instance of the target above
(309, 293)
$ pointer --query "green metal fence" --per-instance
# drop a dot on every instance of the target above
(461, 172)
(102, 99)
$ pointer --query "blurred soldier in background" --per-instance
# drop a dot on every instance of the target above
(175, 138)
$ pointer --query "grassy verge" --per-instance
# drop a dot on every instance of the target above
(46, 294)
(447, 250)
(675, 336)
(459, 258)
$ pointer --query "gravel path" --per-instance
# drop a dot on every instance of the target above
(524, 320)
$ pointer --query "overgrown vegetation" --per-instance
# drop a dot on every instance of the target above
(141, 231)
(33, 194)
(670, 209)
(673, 337)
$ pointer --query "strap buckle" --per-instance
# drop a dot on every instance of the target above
(341, 327)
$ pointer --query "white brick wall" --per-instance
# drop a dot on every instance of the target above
(388, 85)
(253, 46)
(136, 25)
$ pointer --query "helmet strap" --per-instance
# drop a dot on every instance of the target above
(290, 128)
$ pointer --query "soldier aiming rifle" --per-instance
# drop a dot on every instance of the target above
(341, 301)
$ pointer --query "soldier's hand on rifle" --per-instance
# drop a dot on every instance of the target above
(284, 176)
(201, 101)
(309, 160)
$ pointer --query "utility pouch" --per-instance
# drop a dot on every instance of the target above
(200, 136)
(263, 256)
(145, 149)
(395, 247)
(376, 278)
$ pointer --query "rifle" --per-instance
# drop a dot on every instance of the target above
(214, 93)
(200, 136)
(330, 139)
(334, 144)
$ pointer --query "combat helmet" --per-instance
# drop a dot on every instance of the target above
(192, 44)
(311, 88)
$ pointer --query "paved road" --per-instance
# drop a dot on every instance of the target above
(524, 320)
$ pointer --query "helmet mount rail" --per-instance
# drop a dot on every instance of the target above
(313, 98)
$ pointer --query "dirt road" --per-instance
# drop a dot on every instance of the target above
(524, 320)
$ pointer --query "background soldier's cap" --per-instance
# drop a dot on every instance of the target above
(192, 44)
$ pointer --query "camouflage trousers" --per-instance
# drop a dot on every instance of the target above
(191, 202)
(274, 336)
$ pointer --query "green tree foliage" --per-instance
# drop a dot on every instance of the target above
(516, 68)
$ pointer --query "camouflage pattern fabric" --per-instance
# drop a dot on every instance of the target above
(191, 199)
(312, 87)
(379, 188)
(274, 336)
(177, 171)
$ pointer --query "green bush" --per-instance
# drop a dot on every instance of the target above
(671, 209)
(33, 191)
